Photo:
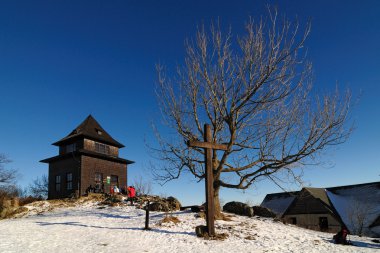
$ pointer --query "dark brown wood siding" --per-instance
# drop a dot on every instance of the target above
(78, 145)
(90, 145)
(61, 168)
(92, 165)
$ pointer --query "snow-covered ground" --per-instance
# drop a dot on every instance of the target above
(91, 228)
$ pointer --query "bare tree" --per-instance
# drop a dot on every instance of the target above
(255, 91)
(11, 191)
(142, 186)
(39, 187)
(7, 176)
(361, 212)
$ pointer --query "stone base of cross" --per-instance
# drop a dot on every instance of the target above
(209, 146)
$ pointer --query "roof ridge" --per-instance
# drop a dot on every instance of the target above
(91, 129)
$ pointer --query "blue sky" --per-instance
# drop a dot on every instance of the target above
(63, 60)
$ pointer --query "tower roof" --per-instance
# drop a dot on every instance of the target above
(91, 129)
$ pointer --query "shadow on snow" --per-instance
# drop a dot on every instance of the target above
(358, 244)
(75, 223)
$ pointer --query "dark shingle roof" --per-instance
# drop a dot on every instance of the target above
(362, 199)
(279, 202)
(356, 187)
(319, 193)
(91, 129)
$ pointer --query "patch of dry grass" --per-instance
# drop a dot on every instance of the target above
(221, 216)
(170, 218)
(250, 237)
(218, 237)
(226, 217)
(11, 213)
(8, 209)
(28, 200)
(19, 210)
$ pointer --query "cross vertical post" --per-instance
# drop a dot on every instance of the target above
(210, 208)
(208, 146)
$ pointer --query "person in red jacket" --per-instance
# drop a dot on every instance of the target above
(341, 237)
(131, 193)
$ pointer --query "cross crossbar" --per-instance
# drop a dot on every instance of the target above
(210, 145)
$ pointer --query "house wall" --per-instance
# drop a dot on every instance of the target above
(311, 221)
(83, 169)
(90, 145)
(91, 165)
(62, 167)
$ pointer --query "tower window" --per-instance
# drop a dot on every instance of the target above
(70, 148)
(99, 182)
(58, 183)
(102, 148)
(69, 181)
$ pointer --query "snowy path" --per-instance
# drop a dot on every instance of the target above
(119, 229)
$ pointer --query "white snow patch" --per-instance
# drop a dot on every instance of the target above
(87, 228)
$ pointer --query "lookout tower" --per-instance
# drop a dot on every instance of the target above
(88, 156)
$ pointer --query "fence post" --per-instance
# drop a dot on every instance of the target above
(147, 216)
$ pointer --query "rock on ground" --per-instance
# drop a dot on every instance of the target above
(238, 208)
(165, 204)
(263, 212)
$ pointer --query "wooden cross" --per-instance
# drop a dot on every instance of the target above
(208, 145)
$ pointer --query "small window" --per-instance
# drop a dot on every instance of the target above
(58, 183)
(69, 181)
(293, 220)
(70, 148)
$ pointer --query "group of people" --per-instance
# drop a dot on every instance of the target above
(97, 189)
(130, 191)
(114, 190)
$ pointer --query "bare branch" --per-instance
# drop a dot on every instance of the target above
(7, 176)
(255, 91)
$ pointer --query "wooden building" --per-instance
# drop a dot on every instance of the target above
(88, 156)
(356, 207)
(312, 209)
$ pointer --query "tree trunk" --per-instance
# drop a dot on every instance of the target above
(218, 210)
